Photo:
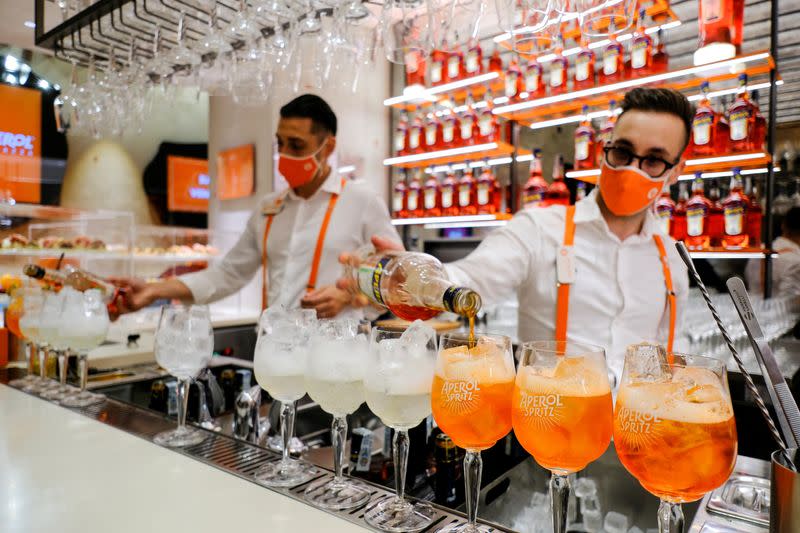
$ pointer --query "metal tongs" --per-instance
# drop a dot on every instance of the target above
(791, 436)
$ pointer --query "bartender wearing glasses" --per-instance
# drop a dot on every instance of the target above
(601, 271)
(296, 235)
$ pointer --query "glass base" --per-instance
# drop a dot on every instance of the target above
(83, 399)
(36, 386)
(337, 495)
(398, 516)
(288, 474)
(59, 393)
(27, 381)
(180, 437)
(465, 528)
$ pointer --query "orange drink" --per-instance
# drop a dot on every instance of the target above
(15, 310)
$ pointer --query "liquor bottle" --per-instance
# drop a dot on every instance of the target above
(698, 209)
(455, 64)
(720, 24)
(433, 132)
(704, 126)
(716, 219)
(473, 62)
(401, 135)
(77, 278)
(753, 217)
(416, 132)
(411, 285)
(584, 67)
(451, 136)
(613, 58)
(665, 212)
(641, 61)
(558, 68)
(415, 68)
(660, 61)
(722, 135)
(735, 211)
(580, 191)
(495, 61)
(534, 80)
(679, 220)
(413, 198)
(759, 126)
(438, 74)
(488, 129)
(399, 192)
(448, 188)
(513, 81)
(467, 204)
(536, 187)
(448, 481)
(431, 198)
(557, 192)
(585, 156)
(486, 186)
(606, 132)
(741, 119)
(468, 123)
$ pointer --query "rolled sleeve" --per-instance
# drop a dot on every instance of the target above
(377, 221)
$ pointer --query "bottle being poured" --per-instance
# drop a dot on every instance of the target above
(78, 279)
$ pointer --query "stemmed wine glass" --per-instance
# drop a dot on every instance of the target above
(49, 324)
(30, 300)
(85, 329)
(561, 411)
(334, 379)
(398, 389)
(184, 343)
(279, 365)
(59, 344)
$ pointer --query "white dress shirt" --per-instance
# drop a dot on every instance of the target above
(619, 295)
(357, 216)
(785, 270)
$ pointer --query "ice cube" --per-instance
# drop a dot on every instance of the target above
(418, 334)
(615, 522)
(585, 487)
(635, 529)
(647, 362)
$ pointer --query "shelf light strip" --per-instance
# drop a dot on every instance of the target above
(729, 255)
(727, 173)
(486, 224)
(478, 164)
(444, 220)
(441, 153)
(463, 83)
(628, 83)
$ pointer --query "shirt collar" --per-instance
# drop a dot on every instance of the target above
(782, 243)
(331, 185)
(587, 210)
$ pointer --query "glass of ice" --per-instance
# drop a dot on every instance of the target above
(184, 343)
(32, 301)
(70, 314)
(49, 324)
(337, 362)
(279, 365)
(398, 389)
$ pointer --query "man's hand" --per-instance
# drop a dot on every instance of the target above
(381, 244)
(138, 294)
(326, 301)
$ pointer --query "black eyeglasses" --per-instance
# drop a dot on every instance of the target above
(618, 156)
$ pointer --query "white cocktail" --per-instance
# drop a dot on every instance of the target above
(85, 327)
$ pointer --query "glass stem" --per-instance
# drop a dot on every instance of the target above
(83, 369)
(559, 499)
(670, 517)
(400, 444)
(473, 468)
(182, 395)
(62, 367)
(338, 437)
(287, 428)
(43, 363)
(31, 349)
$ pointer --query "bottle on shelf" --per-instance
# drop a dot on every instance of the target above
(414, 207)
(558, 68)
(704, 126)
(455, 64)
(411, 285)
(399, 192)
(679, 218)
(536, 187)
(641, 50)
(513, 82)
(606, 132)
(584, 67)
(451, 136)
(741, 119)
(720, 25)
(401, 135)
(723, 131)
(534, 80)
(438, 70)
(716, 219)
(698, 208)
(467, 204)
(415, 68)
(753, 217)
(613, 58)
(585, 146)
(557, 192)
(486, 190)
(495, 61)
(447, 189)
(759, 125)
(416, 133)
(665, 211)
(488, 129)
(580, 191)
(469, 131)
(433, 132)
(431, 198)
(735, 210)
(660, 62)
(473, 62)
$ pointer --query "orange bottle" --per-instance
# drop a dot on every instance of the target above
(513, 83)
(641, 61)
(467, 200)
(414, 208)
(448, 191)
(698, 209)
(660, 56)
(665, 212)
(431, 197)
(584, 67)
(433, 133)
(759, 126)
(704, 126)
(557, 191)
(469, 130)
(486, 191)
(558, 69)
(679, 219)
(473, 62)
(741, 119)
(613, 59)
(438, 73)
(415, 69)
(495, 61)
(585, 146)
(401, 135)
(450, 128)
(716, 219)
(399, 192)
(533, 78)
(735, 212)
(533, 194)
(416, 134)
(455, 64)
(606, 132)
(488, 129)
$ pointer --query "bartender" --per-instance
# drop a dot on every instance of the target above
(601, 271)
(295, 235)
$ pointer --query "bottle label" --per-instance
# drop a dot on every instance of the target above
(369, 279)
(734, 218)
(511, 84)
(397, 202)
(610, 61)
(582, 148)
(739, 121)
(582, 68)
(430, 135)
(556, 74)
(466, 128)
(701, 130)
(449, 298)
(694, 221)
(664, 221)
(412, 63)
(485, 124)
(639, 54)
(463, 195)
(453, 67)
(532, 80)
(531, 199)
(473, 62)
(413, 200)
(483, 194)
(436, 72)
(447, 197)
(413, 138)
(399, 140)
(448, 132)
(712, 10)
(429, 198)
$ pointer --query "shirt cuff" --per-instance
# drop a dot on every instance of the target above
(200, 286)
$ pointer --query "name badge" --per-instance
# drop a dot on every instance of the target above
(565, 265)
(274, 207)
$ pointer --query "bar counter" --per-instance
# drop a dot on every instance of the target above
(62, 471)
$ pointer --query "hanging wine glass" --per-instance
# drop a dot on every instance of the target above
(243, 26)
(66, 104)
(455, 22)
(600, 18)
(252, 75)
(406, 31)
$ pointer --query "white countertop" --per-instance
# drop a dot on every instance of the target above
(61, 471)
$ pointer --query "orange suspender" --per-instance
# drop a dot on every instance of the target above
(562, 297)
(312, 277)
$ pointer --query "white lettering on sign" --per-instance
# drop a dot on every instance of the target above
(199, 193)
(16, 143)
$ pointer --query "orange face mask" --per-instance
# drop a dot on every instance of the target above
(628, 190)
(299, 170)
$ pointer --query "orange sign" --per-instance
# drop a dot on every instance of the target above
(20, 143)
(235, 171)
(187, 184)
